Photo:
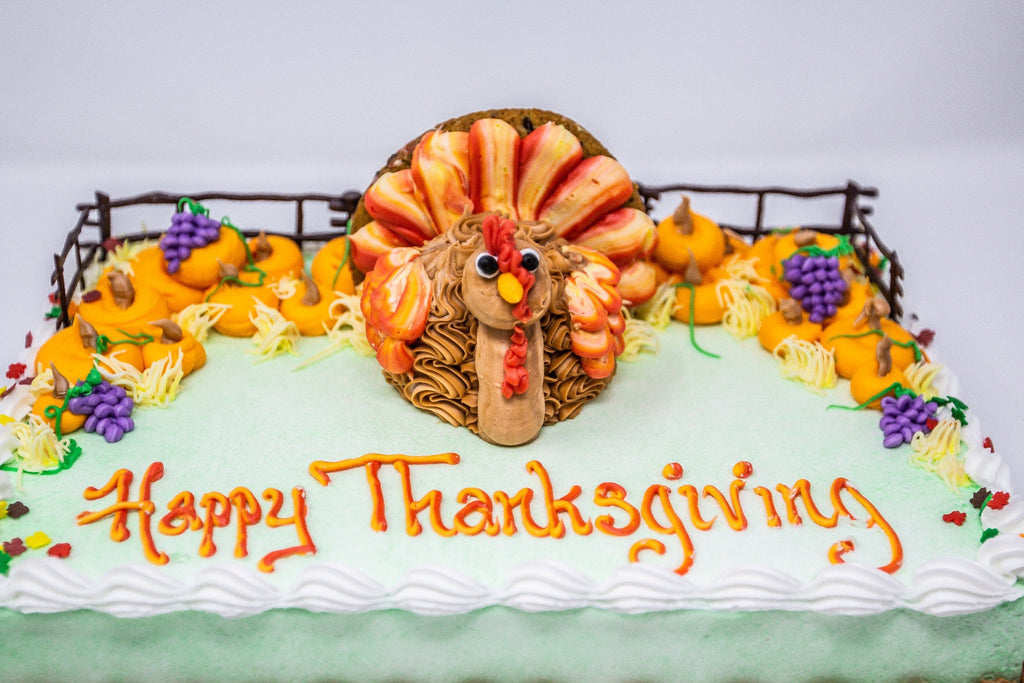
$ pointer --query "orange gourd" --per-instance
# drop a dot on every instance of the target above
(310, 311)
(700, 292)
(854, 341)
(686, 233)
(332, 266)
(168, 341)
(240, 291)
(120, 306)
(148, 269)
(789, 320)
(70, 349)
(69, 421)
(872, 379)
(857, 294)
(201, 269)
(277, 256)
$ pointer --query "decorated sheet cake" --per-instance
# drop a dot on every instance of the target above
(505, 414)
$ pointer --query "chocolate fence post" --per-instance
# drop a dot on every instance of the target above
(103, 215)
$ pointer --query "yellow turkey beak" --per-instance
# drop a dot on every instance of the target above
(509, 288)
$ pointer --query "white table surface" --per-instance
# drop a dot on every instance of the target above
(921, 100)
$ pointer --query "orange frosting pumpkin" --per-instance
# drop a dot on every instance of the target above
(168, 341)
(854, 341)
(789, 320)
(686, 233)
(332, 266)
(308, 309)
(201, 269)
(149, 271)
(277, 256)
(241, 298)
(121, 306)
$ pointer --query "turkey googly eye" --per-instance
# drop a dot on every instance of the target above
(531, 259)
(486, 265)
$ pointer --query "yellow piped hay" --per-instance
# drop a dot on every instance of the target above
(198, 319)
(808, 362)
(38, 447)
(349, 329)
(746, 306)
(639, 337)
(156, 386)
(921, 378)
(274, 334)
(939, 453)
(658, 309)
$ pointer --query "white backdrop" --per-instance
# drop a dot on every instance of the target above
(921, 99)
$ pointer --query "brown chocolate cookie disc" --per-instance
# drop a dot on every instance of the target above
(523, 120)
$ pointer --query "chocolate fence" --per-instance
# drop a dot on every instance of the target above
(93, 234)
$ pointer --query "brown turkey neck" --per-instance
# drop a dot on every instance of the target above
(516, 420)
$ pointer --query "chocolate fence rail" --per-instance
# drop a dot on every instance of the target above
(92, 234)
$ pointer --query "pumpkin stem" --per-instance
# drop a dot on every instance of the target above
(121, 288)
(312, 295)
(683, 218)
(263, 249)
(692, 275)
(850, 277)
(792, 313)
(60, 383)
(226, 270)
(883, 352)
(170, 331)
(805, 238)
(874, 310)
(87, 333)
(730, 235)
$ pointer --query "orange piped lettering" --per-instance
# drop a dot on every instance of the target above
(772, 518)
(298, 519)
(218, 514)
(733, 514)
(143, 506)
(645, 544)
(693, 499)
(559, 506)
(431, 501)
(182, 516)
(475, 501)
(677, 529)
(610, 494)
(247, 513)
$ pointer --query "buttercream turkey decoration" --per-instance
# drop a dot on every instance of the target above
(497, 261)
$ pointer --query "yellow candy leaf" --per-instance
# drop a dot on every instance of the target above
(37, 540)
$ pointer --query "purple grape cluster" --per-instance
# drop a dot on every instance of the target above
(108, 408)
(188, 231)
(903, 417)
(815, 281)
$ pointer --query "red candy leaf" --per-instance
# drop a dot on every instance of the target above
(987, 443)
(925, 337)
(61, 550)
(955, 517)
(52, 297)
(931, 423)
(14, 547)
(28, 340)
(91, 296)
(999, 500)
(15, 370)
